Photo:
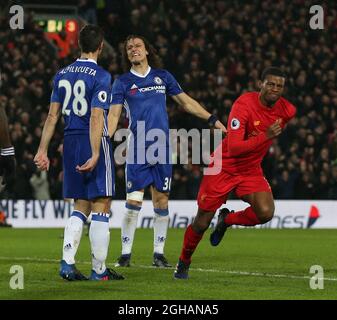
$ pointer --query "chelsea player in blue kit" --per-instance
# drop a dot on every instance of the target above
(81, 93)
(142, 91)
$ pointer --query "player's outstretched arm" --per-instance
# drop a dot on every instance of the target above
(192, 106)
(113, 117)
(41, 158)
(4, 132)
(7, 160)
(96, 131)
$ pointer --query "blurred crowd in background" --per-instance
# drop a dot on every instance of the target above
(217, 51)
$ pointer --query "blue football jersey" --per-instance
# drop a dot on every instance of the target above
(78, 88)
(144, 98)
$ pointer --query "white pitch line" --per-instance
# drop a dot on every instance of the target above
(241, 273)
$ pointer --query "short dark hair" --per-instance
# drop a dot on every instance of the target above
(90, 38)
(274, 71)
(153, 58)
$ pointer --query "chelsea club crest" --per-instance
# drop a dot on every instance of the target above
(157, 80)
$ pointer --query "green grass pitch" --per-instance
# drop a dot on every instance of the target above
(248, 264)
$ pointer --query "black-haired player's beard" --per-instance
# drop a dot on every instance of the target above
(270, 101)
(136, 63)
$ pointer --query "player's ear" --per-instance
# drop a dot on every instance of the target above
(260, 84)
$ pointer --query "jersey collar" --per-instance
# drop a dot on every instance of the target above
(139, 74)
(87, 60)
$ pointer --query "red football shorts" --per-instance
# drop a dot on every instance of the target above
(214, 189)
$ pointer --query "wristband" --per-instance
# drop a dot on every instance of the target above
(7, 151)
(212, 120)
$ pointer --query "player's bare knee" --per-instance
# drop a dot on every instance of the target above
(266, 213)
(199, 226)
(160, 201)
(202, 221)
(83, 206)
(101, 204)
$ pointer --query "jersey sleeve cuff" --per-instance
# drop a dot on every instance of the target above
(8, 151)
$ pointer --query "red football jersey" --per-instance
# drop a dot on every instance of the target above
(246, 142)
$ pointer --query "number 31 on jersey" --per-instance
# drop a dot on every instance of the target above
(167, 184)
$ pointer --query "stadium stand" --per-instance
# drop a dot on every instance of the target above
(217, 51)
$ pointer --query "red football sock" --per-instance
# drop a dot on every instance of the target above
(246, 217)
(191, 240)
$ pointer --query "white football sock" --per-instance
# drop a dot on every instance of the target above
(160, 225)
(129, 225)
(99, 239)
(72, 236)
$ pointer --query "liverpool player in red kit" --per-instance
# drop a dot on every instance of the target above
(255, 120)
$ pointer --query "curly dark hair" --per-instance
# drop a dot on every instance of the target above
(152, 58)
